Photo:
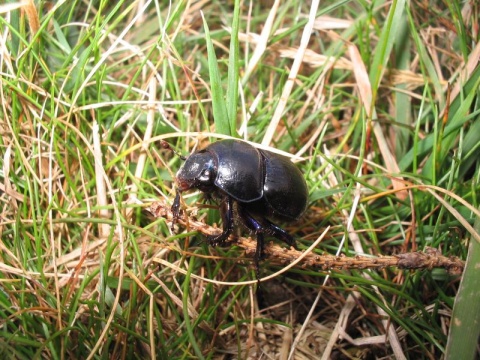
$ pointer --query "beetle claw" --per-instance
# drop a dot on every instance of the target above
(214, 240)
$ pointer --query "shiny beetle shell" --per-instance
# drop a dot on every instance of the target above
(262, 180)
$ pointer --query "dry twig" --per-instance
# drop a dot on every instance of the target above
(429, 259)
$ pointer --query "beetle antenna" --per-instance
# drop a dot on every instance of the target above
(165, 145)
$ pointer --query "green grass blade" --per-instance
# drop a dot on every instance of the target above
(385, 45)
(459, 110)
(233, 70)
(186, 315)
(220, 115)
(470, 147)
(464, 332)
(403, 109)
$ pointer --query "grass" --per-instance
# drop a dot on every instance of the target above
(377, 100)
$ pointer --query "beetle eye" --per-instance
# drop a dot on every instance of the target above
(206, 175)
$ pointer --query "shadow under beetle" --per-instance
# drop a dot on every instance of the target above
(262, 185)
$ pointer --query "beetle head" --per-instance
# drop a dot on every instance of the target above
(199, 171)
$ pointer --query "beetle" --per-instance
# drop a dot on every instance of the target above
(261, 185)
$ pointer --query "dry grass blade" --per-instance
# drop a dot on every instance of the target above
(365, 92)
(287, 89)
(261, 42)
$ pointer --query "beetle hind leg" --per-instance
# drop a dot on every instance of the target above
(279, 233)
(259, 254)
(261, 227)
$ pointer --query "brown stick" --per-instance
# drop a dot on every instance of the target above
(429, 259)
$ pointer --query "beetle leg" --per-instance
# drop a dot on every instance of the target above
(259, 254)
(259, 230)
(227, 219)
(279, 233)
(255, 226)
(176, 209)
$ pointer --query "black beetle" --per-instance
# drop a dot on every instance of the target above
(262, 184)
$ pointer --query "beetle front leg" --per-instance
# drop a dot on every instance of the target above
(176, 209)
(226, 210)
